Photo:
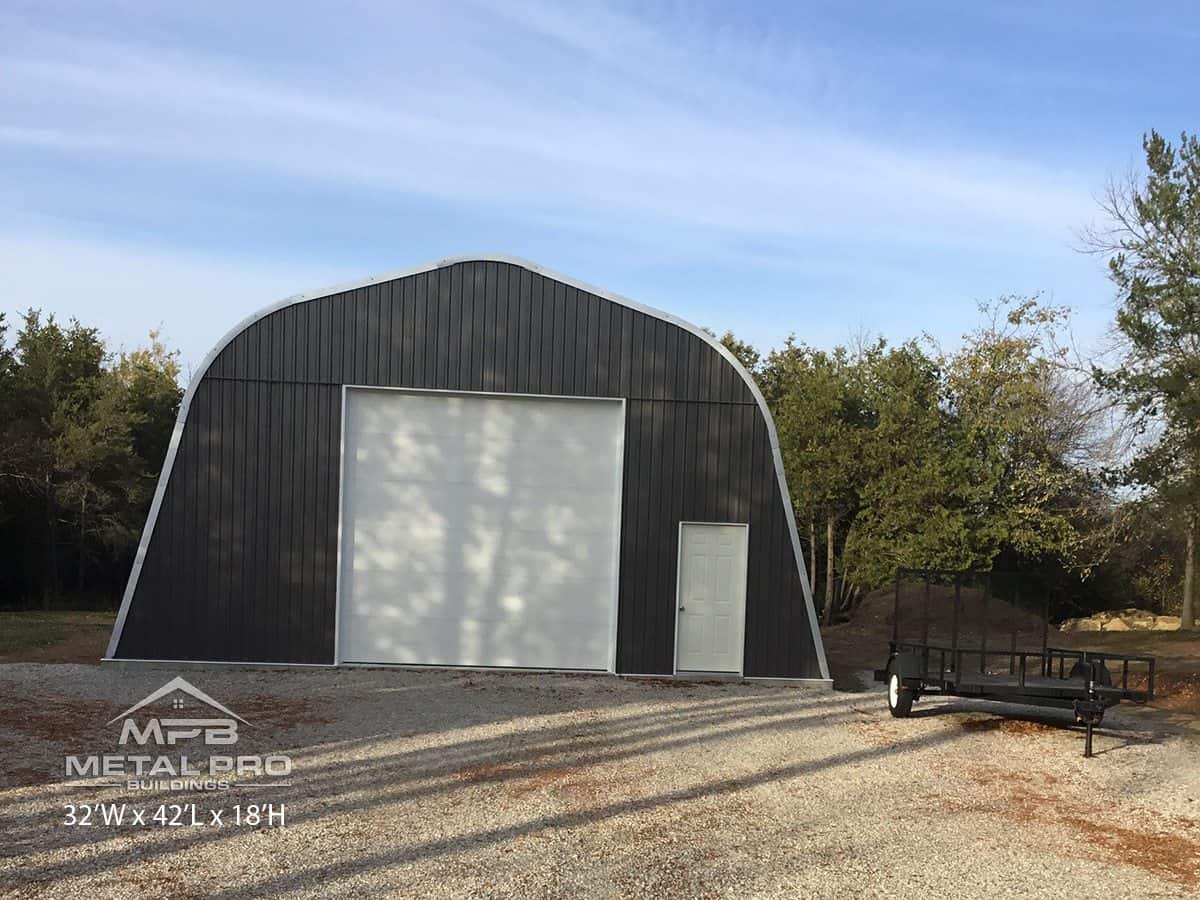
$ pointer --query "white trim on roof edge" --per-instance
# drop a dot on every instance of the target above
(185, 404)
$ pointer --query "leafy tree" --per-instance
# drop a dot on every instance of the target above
(81, 440)
(95, 468)
(57, 369)
(1145, 553)
(149, 379)
(1003, 388)
(977, 454)
(742, 351)
(906, 458)
(9, 457)
(1152, 241)
(909, 516)
(817, 402)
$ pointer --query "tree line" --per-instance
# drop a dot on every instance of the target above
(83, 433)
(1009, 451)
(1012, 451)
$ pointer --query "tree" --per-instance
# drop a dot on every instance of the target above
(745, 353)
(57, 369)
(912, 515)
(914, 459)
(82, 438)
(9, 457)
(96, 473)
(1007, 393)
(149, 378)
(816, 400)
(1152, 241)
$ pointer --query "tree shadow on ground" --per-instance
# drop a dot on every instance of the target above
(325, 787)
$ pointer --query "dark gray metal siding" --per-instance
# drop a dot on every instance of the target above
(242, 562)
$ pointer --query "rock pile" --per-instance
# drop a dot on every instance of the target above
(1130, 619)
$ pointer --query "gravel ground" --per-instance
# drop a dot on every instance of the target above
(456, 783)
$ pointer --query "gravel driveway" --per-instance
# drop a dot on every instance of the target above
(456, 783)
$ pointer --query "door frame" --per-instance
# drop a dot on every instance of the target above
(341, 503)
(741, 672)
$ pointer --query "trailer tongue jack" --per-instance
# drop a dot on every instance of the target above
(1078, 680)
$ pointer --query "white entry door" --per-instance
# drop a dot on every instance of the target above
(711, 621)
(479, 530)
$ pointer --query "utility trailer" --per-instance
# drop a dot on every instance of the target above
(994, 646)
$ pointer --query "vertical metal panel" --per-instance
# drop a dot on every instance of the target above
(440, 315)
(505, 322)
(242, 563)
(493, 297)
(462, 316)
(659, 612)
(602, 366)
(403, 345)
(552, 294)
(519, 352)
(480, 332)
(428, 330)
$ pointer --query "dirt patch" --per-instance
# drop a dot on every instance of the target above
(1009, 726)
(68, 725)
(1164, 853)
(24, 776)
(55, 636)
(877, 734)
(84, 649)
(1171, 854)
(65, 722)
(1178, 693)
(280, 712)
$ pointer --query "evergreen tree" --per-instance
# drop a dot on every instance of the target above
(82, 438)
(1152, 241)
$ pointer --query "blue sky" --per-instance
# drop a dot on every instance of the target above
(817, 168)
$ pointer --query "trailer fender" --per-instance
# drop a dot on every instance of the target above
(909, 667)
(1090, 670)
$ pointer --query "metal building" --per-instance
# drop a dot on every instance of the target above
(475, 462)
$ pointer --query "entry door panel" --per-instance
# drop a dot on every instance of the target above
(712, 597)
(479, 530)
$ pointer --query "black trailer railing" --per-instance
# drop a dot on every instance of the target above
(1049, 663)
(980, 660)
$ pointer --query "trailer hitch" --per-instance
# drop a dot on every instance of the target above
(1089, 713)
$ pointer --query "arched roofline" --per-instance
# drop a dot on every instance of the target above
(181, 420)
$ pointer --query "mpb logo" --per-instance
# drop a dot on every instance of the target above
(174, 769)
(216, 731)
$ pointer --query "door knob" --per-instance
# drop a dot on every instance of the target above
(682, 608)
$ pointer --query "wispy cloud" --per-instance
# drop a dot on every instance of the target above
(686, 153)
(628, 148)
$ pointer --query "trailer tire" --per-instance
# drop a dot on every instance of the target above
(899, 698)
(1084, 670)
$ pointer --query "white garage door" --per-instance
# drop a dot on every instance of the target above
(479, 530)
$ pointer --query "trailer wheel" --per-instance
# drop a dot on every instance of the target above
(1084, 670)
(899, 698)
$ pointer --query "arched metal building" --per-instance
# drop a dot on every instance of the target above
(475, 462)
